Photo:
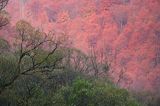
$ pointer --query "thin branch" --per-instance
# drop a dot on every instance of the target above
(3, 3)
(38, 64)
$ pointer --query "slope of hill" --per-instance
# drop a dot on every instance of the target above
(127, 30)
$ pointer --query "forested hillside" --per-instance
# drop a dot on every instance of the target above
(79, 53)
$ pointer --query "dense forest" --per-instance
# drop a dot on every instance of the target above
(45, 69)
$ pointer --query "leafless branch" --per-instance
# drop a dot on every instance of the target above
(3, 3)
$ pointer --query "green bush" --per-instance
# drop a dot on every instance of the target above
(87, 93)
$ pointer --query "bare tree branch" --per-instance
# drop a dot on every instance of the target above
(3, 3)
(3, 15)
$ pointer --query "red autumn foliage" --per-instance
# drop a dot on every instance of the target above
(128, 30)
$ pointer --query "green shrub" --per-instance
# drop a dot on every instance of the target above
(86, 93)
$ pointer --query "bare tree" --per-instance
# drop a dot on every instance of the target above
(98, 59)
(31, 43)
(4, 18)
(80, 61)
